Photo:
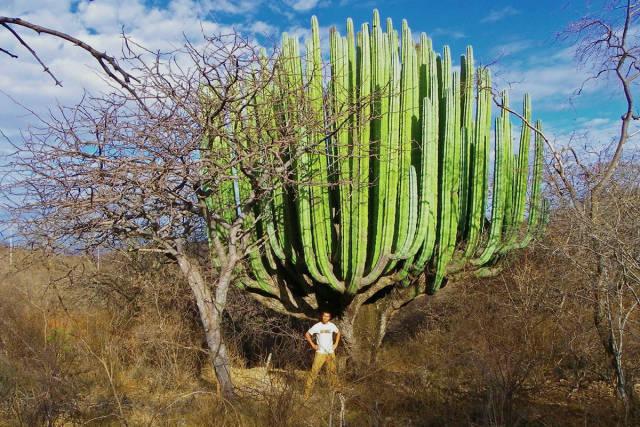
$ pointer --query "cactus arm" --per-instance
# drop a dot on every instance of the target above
(417, 150)
(413, 215)
(351, 64)
(263, 280)
(457, 158)
(507, 222)
(536, 202)
(431, 156)
(318, 173)
(284, 111)
(393, 156)
(259, 118)
(421, 76)
(519, 184)
(360, 160)
(293, 74)
(274, 242)
(388, 169)
(380, 86)
(430, 181)
(499, 183)
(260, 272)
(522, 170)
(403, 154)
(479, 164)
(407, 200)
(468, 80)
(448, 192)
(282, 221)
(377, 144)
(351, 58)
(393, 37)
(340, 88)
(279, 238)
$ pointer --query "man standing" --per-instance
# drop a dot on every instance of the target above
(324, 347)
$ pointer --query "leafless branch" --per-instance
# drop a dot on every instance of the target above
(108, 63)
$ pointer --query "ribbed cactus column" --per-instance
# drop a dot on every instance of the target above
(392, 170)
(478, 165)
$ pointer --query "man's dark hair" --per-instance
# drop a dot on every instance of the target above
(327, 312)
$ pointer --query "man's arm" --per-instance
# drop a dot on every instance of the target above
(313, 345)
(335, 345)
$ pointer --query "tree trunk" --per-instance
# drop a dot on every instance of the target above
(363, 329)
(609, 342)
(364, 323)
(604, 327)
(210, 310)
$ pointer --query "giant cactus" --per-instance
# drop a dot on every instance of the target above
(392, 196)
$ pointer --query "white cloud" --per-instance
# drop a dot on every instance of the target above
(100, 16)
(589, 136)
(510, 48)
(19, 7)
(445, 32)
(302, 5)
(543, 81)
(234, 7)
(261, 27)
(593, 122)
(552, 80)
(499, 14)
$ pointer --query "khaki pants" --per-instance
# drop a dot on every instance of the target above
(318, 361)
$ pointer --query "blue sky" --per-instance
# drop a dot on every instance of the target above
(520, 37)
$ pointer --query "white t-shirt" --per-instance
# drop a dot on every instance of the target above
(324, 336)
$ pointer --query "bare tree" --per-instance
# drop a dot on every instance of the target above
(108, 63)
(597, 191)
(153, 170)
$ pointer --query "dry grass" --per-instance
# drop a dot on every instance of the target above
(122, 345)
